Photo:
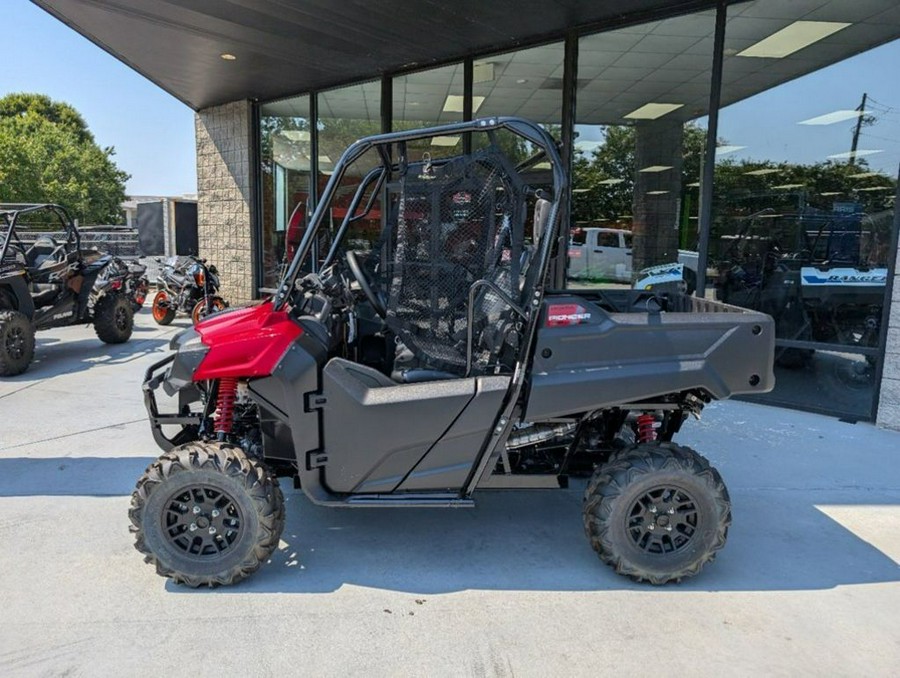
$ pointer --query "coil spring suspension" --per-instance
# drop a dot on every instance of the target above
(646, 428)
(225, 405)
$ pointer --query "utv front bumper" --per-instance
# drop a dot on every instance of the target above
(188, 422)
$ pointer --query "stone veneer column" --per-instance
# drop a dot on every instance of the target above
(889, 402)
(224, 197)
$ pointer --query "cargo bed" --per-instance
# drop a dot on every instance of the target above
(601, 347)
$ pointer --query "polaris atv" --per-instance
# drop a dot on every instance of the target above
(436, 364)
(47, 283)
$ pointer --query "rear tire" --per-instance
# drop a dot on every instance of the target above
(113, 319)
(657, 512)
(163, 312)
(16, 343)
(205, 514)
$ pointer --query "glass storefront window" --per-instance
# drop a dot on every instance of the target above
(427, 98)
(345, 115)
(285, 187)
(526, 83)
(642, 100)
(805, 179)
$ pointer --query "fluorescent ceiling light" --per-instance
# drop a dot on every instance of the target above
(831, 193)
(610, 182)
(877, 188)
(656, 192)
(854, 154)
(831, 118)
(445, 141)
(722, 150)
(652, 111)
(227, 56)
(769, 216)
(580, 190)
(324, 158)
(454, 103)
(760, 172)
(543, 166)
(792, 38)
(656, 168)
(863, 175)
(483, 72)
(695, 184)
(790, 186)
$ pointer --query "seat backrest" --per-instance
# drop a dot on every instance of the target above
(456, 223)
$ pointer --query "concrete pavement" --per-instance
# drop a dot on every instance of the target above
(809, 583)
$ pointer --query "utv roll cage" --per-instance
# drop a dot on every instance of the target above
(9, 218)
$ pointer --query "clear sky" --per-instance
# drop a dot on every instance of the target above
(152, 132)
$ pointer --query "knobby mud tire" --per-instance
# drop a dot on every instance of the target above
(618, 497)
(114, 319)
(16, 343)
(220, 470)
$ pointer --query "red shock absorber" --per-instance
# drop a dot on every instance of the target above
(646, 428)
(225, 405)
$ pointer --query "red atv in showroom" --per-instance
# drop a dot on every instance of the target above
(436, 364)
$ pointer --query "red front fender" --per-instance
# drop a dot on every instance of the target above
(247, 342)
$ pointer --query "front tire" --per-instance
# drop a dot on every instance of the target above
(657, 512)
(16, 343)
(113, 319)
(205, 514)
(199, 313)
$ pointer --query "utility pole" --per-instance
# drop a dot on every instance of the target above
(862, 111)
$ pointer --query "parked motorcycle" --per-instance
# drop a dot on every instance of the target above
(135, 284)
(188, 285)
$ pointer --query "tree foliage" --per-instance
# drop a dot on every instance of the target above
(48, 154)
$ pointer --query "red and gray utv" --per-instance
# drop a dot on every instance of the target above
(436, 363)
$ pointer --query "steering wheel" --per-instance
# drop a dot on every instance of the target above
(360, 275)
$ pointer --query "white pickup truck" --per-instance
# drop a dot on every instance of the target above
(605, 254)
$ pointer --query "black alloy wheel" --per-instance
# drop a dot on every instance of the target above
(16, 343)
(202, 521)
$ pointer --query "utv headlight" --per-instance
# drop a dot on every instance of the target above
(189, 353)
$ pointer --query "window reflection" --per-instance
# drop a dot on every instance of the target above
(805, 180)
(345, 115)
(640, 139)
(285, 149)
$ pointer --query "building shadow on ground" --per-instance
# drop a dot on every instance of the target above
(516, 541)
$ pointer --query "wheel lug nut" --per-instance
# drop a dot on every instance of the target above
(212, 530)
(652, 509)
(215, 513)
(671, 511)
(193, 527)
(196, 510)
(651, 527)
(668, 528)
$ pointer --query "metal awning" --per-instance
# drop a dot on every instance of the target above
(285, 47)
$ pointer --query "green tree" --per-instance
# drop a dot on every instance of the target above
(48, 154)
